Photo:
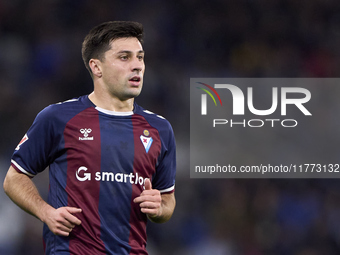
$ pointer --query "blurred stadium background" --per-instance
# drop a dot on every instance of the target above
(40, 64)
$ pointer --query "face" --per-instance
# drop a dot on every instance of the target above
(123, 68)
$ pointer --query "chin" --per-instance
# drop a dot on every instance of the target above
(133, 94)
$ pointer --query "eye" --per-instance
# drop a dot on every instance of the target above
(140, 57)
(124, 57)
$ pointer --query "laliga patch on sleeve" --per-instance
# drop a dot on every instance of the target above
(24, 139)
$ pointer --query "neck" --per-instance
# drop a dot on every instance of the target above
(111, 103)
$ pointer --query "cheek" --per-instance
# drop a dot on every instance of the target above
(113, 74)
(118, 71)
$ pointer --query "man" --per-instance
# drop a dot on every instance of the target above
(111, 163)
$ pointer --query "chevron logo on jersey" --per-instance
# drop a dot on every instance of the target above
(147, 141)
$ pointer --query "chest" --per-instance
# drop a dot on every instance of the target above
(116, 143)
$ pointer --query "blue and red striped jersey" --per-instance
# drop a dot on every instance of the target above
(98, 161)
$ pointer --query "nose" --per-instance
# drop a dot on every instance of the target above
(137, 65)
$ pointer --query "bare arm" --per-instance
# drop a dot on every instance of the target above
(168, 206)
(159, 207)
(20, 188)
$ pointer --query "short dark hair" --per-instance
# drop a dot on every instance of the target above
(98, 40)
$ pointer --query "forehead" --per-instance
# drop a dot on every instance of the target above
(126, 44)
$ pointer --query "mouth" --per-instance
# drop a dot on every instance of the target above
(135, 80)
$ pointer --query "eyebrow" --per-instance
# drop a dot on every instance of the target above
(129, 52)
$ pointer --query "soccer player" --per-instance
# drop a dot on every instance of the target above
(111, 163)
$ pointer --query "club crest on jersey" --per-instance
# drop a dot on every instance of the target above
(86, 132)
(146, 141)
(24, 139)
(146, 132)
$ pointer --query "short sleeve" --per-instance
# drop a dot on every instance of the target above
(164, 179)
(35, 151)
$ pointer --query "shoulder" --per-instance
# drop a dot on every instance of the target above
(154, 119)
(66, 108)
(60, 113)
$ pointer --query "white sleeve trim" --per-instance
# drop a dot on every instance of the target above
(21, 169)
(168, 189)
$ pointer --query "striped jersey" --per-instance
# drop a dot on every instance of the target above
(98, 161)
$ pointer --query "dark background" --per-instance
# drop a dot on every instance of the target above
(40, 64)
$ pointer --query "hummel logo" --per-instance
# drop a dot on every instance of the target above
(86, 132)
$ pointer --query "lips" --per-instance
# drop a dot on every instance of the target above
(135, 80)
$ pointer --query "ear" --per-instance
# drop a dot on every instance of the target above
(95, 66)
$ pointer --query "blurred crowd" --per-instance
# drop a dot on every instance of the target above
(41, 64)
